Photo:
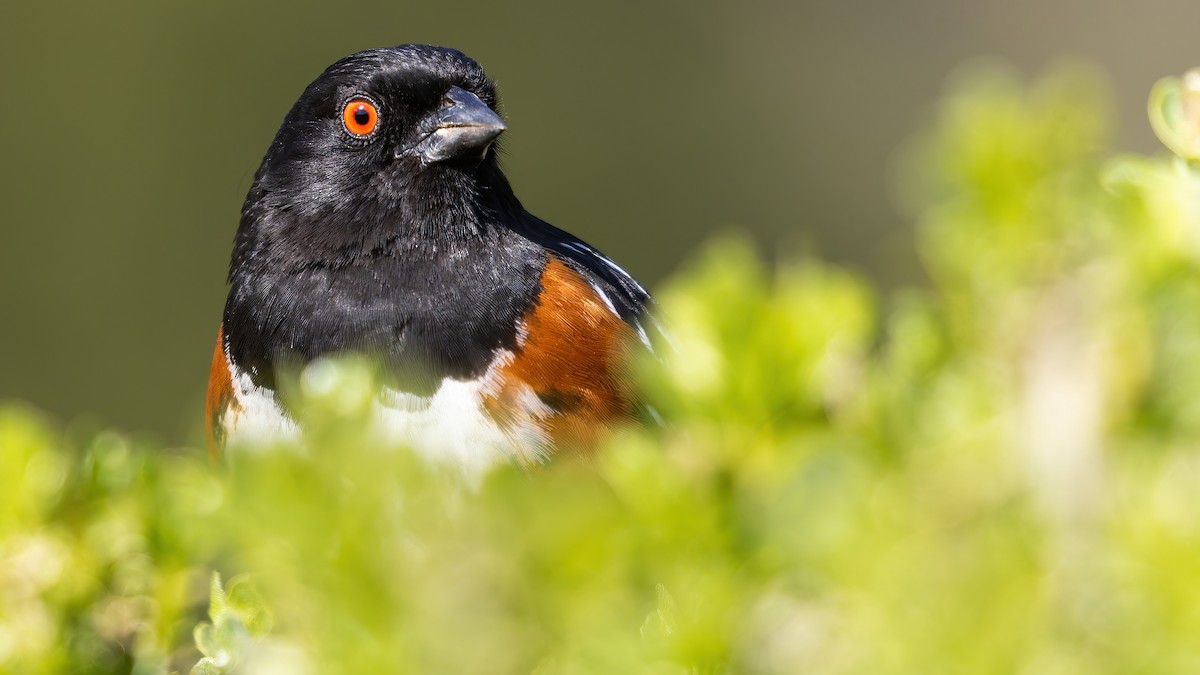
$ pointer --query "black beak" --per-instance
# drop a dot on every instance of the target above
(463, 129)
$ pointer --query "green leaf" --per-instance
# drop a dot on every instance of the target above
(206, 641)
(244, 600)
(206, 666)
(1174, 110)
(216, 599)
(660, 624)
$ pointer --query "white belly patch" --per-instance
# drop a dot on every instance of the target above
(451, 426)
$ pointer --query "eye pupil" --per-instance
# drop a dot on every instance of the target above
(362, 116)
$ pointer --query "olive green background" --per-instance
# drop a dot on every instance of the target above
(129, 132)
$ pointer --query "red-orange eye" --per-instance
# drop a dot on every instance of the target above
(360, 117)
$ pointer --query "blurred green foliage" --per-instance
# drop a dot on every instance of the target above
(996, 474)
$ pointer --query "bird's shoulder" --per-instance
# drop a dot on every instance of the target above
(570, 260)
(566, 379)
(569, 372)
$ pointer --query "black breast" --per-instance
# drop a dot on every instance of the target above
(427, 310)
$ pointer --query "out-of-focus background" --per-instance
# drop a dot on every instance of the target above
(131, 129)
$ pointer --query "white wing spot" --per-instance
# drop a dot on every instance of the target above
(604, 296)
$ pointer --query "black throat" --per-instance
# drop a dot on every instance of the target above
(419, 271)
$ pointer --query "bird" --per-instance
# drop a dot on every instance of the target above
(380, 222)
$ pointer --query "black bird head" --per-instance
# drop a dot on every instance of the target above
(386, 144)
